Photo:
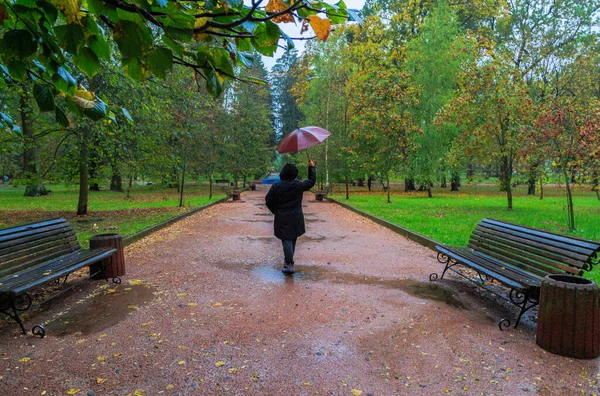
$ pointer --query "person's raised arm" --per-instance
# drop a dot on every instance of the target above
(312, 176)
(270, 200)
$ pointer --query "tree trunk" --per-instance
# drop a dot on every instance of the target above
(541, 188)
(116, 181)
(505, 178)
(531, 188)
(470, 172)
(210, 183)
(570, 211)
(244, 185)
(129, 186)
(429, 190)
(34, 187)
(387, 179)
(83, 171)
(347, 189)
(409, 184)
(454, 181)
(443, 182)
(182, 183)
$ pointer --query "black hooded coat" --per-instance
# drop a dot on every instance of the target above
(284, 200)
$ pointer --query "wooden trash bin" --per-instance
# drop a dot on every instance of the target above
(115, 264)
(569, 317)
(320, 195)
(236, 195)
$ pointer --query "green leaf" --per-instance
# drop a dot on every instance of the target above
(177, 18)
(246, 59)
(221, 61)
(70, 37)
(126, 114)
(267, 35)
(17, 70)
(37, 64)
(290, 42)
(88, 62)
(179, 34)
(66, 76)
(61, 117)
(133, 40)
(44, 97)
(134, 69)
(97, 112)
(160, 61)
(73, 107)
(213, 84)
(49, 10)
(340, 14)
(94, 6)
(19, 43)
(178, 49)
(99, 45)
(234, 3)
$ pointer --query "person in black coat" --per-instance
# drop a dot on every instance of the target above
(284, 200)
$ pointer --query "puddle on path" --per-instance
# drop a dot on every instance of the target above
(102, 311)
(265, 273)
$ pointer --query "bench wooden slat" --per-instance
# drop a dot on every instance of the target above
(31, 240)
(55, 269)
(574, 252)
(20, 263)
(31, 226)
(8, 252)
(516, 279)
(574, 241)
(18, 236)
(550, 258)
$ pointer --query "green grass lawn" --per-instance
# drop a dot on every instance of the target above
(450, 217)
(108, 211)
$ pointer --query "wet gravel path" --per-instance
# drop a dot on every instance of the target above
(204, 309)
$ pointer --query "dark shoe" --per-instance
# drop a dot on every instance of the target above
(288, 268)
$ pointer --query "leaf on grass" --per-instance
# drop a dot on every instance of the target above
(276, 6)
(322, 27)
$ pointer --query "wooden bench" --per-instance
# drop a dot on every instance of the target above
(222, 181)
(34, 254)
(519, 258)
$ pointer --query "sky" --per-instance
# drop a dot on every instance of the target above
(293, 30)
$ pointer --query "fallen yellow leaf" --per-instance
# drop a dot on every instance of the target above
(100, 380)
(181, 362)
(232, 370)
(118, 354)
(170, 386)
(73, 391)
(139, 392)
(25, 359)
(219, 363)
(102, 357)
(135, 282)
(146, 324)
(217, 304)
(306, 383)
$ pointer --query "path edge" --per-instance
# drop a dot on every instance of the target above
(128, 240)
(413, 236)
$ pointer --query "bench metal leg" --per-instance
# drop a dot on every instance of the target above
(12, 306)
(523, 300)
(444, 259)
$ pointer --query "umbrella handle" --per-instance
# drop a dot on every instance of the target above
(307, 154)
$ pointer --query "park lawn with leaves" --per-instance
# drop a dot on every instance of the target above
(450, 217)
(109, 212)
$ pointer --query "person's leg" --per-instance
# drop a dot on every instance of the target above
(288, 253)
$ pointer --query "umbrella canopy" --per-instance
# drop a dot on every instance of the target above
(302, 138)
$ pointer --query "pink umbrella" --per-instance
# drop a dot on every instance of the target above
(302, 138)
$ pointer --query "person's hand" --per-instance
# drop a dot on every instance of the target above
(312, 163)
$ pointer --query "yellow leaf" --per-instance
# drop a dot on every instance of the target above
(25, 359)
(102, 357)
(69, 8)
(181, 362)
(276, 6)
(170, 386)
(118, 354)
(219, 363)
(217, 304)
(306, 383)
(139, 392)
(146, 324)
(84, 99)
(356, 392)
(232, 370)
(100, 380)
(73, 391)
(322, 27)
(135, 282)
(192, 304)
